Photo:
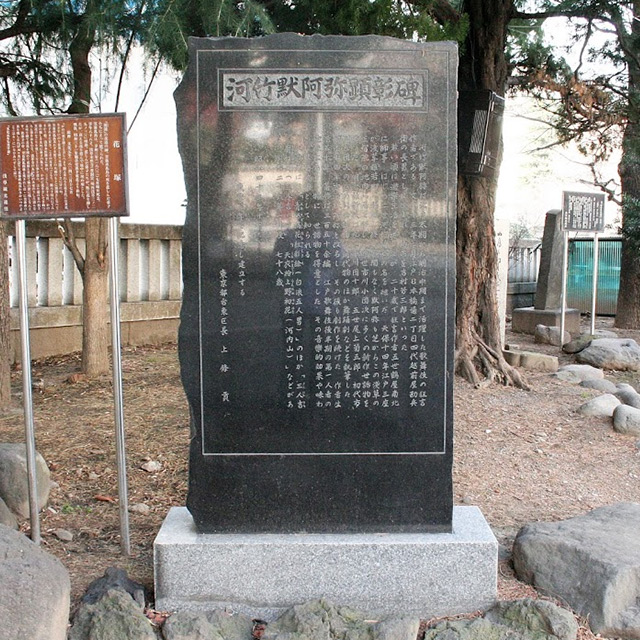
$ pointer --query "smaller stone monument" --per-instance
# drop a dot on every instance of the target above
(547, 305)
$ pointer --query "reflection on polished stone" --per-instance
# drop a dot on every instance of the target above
(316, 338)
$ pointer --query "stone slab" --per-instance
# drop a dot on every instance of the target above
(430, 574)
(526, 319)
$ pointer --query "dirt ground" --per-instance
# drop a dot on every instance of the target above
(521, 456)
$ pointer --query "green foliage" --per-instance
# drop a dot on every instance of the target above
(360, 17)
(171, 22)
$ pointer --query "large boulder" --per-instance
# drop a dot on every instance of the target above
(35, 590)
(620, 354)
(591, 562)
(14, 479)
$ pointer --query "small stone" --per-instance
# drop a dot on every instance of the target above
(151, 466)
(141, 508)
(606, 386)
(631, 398)
(600, 407)
(577, 345)
(93, 475)
(626, 419)
(576, 373)
(538, 361)
(550, 335)
(63, 534)
(7, 518)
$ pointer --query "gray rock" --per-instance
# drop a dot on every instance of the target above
(7, 518)
(525, 619)
(538, 361)
(606, 386)
(549, 335)
(626, 420)
(577, 373)
(626, 396)
(623, 386)
(115, 616)
(141, 508)
(620, 354)
(35, 590)
(63, 534)
(189, 625)
(114, 578)
(578, 344)
(14, 488)
(539, 618)
(591, 562)
(600, 407)
(215, 625)
(531, 360)
(605, 333)
(322, 620)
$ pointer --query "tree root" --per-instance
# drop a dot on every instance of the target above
(482, 366)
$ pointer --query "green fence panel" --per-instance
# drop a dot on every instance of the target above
(580, 275)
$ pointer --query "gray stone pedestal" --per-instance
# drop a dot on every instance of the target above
(526, 319)
(384, 574)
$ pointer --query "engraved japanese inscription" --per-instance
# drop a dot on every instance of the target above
(316, 339)
(63, 166)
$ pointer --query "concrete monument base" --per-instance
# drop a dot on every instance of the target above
(526, 319)
(260, 575)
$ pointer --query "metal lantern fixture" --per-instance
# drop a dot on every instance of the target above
(479, 128)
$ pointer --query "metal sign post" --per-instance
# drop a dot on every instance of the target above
(594, 290)
(581, 212)
(44, 173)
(565, 260)
(27, 396)
(118, 403)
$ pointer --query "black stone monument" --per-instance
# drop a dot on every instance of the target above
(316, 338)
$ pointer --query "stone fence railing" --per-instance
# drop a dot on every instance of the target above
(150, 287)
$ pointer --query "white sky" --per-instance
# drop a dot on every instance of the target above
(529, 185)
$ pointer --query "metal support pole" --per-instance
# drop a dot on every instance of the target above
(27, 397)
(565, 260)
(116, 341)
(594, 292)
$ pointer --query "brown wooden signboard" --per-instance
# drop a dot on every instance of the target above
(63, 166)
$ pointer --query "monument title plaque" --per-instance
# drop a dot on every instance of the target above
(316, 337)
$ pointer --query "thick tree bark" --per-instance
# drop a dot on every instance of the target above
(95, 310)
(628, 312)
(479, 356)
(5, 346)
(95, 270)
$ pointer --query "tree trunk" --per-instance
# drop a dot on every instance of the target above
(95, 310)
(478, 341)
(5, 344)
(95, 270)
(628, 312)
